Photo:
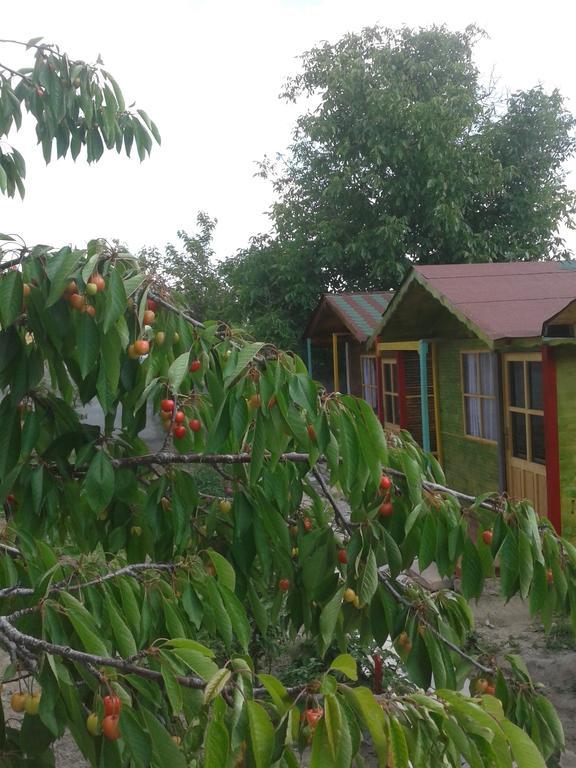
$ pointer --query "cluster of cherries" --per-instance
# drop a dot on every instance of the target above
(386, 508)
(177, 421)
(110, 724)
(96, 284)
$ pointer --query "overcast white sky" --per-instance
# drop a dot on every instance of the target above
(209, 73)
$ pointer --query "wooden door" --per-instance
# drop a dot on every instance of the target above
(524, 428)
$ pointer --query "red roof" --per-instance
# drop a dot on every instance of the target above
(511, 300)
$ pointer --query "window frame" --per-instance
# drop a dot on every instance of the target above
(391, 360)
(527, 411)
(366, 386)
(478, 396)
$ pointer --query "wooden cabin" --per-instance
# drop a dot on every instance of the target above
(336, 337)
(493, 346)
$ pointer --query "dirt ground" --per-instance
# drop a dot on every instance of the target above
(551, 661)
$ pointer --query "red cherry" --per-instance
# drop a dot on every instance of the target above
(110, 728)
(11, 499)
(180, 417)
(308, 524)
(141, 346)
(487, 537)
(167, 405)
(313, 715)
(386, 509)
(342, 556)
(179, 431)
(385, 483)
(195, 425)
(284, 585)
(151, 305)
(112, 705)
(195, 366)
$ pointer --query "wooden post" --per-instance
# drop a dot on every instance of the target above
(425, 416)
(336, 374)
(435, 380)
(379, 385)
(309, 354)
(551, 437)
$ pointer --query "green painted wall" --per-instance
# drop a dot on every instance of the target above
(470, 466)
(566, 390)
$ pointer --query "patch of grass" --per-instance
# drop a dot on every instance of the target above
(561, 637)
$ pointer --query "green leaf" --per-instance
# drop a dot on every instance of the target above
(398, 745)
(371, 715)
(237, 614)
(548, 712)
(329, 617)
(136, 737)
(245, 358)
(368, 582)
(526, 563)
(178, 370)
(165, 751)
(472, 571)
(346, 664)
(261, 734)
(333, 720)
(224, 570)
(99, 483)
(60, 268)
(116, 300)
(278, 693)
(124, 639)
(198, 662)
(509, 565)
(83, 625)
(172, 689)
(11, 297)
(216, 745)
(216, 684)
(523, 748)
(87, 344)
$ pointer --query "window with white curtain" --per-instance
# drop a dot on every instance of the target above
(479, 391)
(369, 381)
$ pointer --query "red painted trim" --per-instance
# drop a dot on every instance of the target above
(402, 390)
(551, 437)
(380, 383)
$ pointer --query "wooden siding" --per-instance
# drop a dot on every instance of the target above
(470, 465)
(565, 378)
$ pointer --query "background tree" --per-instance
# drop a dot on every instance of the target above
(191, 271)
(130, 598)
(403, 157)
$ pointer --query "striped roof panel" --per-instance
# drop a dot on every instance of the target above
(361, 312)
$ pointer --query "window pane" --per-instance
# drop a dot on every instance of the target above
(389, 409)
(489, 419)
(516, 383)
(519, 435)
(469, 363)
(396, 409)
(537, 434)
(487, 363)
(472, 407)
(387, 377)
(535, 383)
(394, 378)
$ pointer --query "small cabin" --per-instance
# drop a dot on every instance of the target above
(336, 337)
(496, 349)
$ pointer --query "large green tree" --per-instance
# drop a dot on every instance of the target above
(191, 270)
(403, 156)
(133, 600)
